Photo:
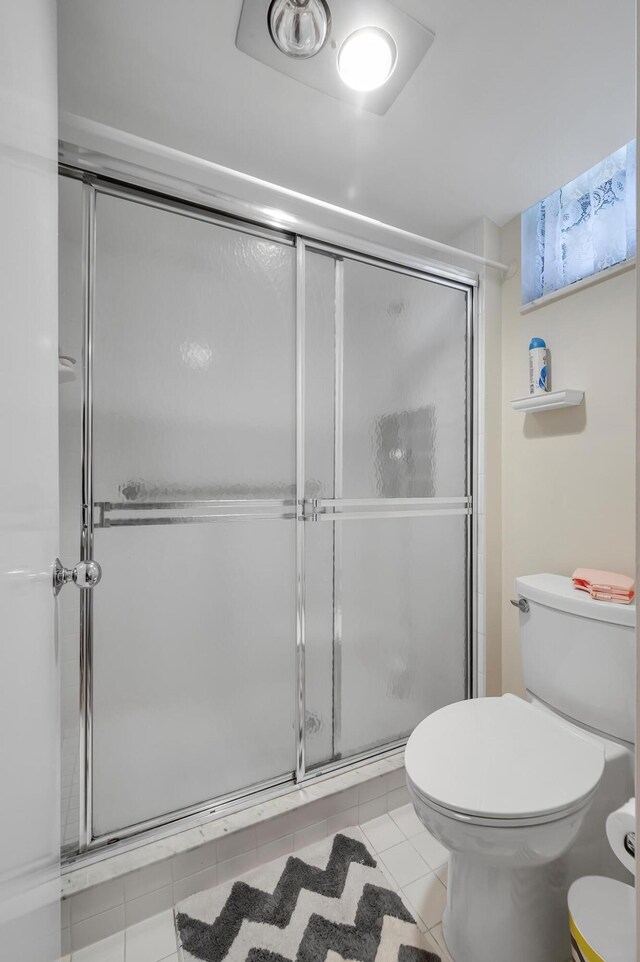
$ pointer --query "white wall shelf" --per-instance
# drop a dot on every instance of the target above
(548, 402)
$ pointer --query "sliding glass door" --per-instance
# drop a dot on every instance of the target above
(276, 485)
(387, 498)
(193, 628)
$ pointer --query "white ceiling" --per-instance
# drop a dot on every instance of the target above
(514, 98)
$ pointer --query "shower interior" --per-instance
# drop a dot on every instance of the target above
(267, 448)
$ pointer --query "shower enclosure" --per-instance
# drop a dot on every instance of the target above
(267, 449)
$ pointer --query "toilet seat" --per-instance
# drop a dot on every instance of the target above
(502, 761)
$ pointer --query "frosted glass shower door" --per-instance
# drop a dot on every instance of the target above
(193, 623)
(387, 501)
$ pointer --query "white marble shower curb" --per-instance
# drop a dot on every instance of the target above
(96, 868)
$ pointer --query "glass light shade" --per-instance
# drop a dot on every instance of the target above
(299, 28)
(367, 58)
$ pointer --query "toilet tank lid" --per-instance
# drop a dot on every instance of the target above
(557, 591)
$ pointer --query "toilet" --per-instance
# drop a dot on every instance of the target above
(518, 790)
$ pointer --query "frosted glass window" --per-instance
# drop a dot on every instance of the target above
(582, 228)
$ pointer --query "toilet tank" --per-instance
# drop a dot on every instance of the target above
(578, 655)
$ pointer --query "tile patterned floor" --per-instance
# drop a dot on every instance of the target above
(413, 862)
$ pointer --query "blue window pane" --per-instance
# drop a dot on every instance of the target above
(582, 228)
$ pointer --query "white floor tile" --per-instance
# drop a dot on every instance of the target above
(434, 946)
(391, 882)
(409, 907)
(107, 950)
(152, 940)
(428, 897)
(443, 873)
(404, 863)
(407, 821)
(434, 854)
(438, 937)
(382, 832)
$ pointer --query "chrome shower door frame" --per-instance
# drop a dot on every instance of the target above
(329, 510)
(94, 515)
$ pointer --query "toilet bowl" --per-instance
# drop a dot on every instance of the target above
(505, 786)
(519, 791)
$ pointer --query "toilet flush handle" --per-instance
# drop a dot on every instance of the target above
(522, 604)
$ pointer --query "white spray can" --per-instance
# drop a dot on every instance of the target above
(538, 366)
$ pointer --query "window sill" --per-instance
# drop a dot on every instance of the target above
(579, 285)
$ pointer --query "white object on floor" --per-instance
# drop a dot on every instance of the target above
(518, 791)
(507, 809)
(602, 914)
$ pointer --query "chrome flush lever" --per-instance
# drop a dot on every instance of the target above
(522, 604)
(86, 574)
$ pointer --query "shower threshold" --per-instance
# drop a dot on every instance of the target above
(339, 797)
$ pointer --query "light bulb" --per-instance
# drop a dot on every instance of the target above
(299, 28)
(367, 58)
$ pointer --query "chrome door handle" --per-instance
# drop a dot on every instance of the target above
(86, 574)
(522, 604)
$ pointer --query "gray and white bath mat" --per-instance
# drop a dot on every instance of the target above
(330, 904)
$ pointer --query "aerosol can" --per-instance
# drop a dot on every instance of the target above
(538, 366)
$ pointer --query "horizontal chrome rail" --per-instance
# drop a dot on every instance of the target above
(384, 263)
(195, 519)
(187, 209)
(382, 515)
(211, 511)
(382, 502)
(168, 505)
(331, 509)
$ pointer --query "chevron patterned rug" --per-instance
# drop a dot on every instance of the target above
(331, 904)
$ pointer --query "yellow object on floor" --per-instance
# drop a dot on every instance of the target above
(602, 920)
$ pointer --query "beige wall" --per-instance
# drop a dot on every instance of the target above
(568, 476)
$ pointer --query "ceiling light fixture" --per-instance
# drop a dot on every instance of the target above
(362, 52)
(299, 28)
(367, 58)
